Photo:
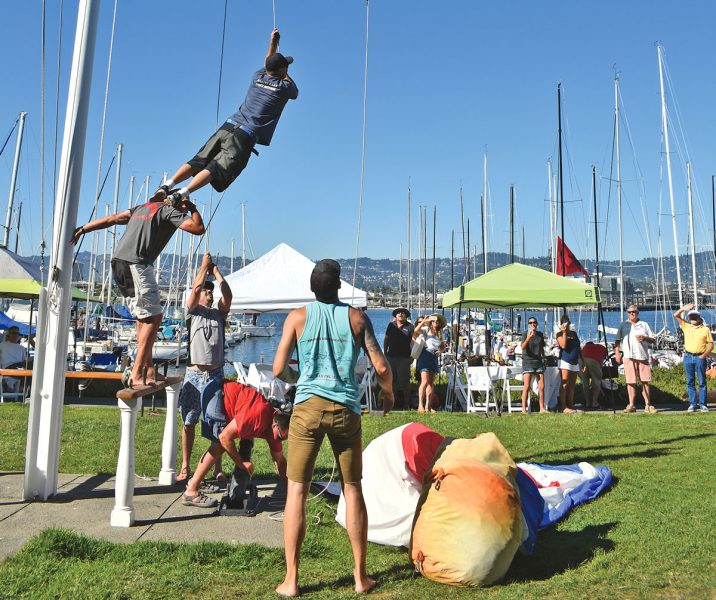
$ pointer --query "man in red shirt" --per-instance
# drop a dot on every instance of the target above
(249, 415)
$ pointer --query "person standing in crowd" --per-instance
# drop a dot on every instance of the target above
(201, 394)
(593, 356)
(533, 363)
(396, 347)
(328, 335)
(569, 353)
(632, 348)
(427, 364)
(698, 343)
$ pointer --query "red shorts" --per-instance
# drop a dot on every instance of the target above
(637, 370)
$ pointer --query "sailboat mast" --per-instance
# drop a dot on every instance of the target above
(560, 171)
(435, 218)
(484, 241)
(484, 213)
(117, 177)
(619, 197)
(243, 235)
(713, 213)
(691, 235)
(665, 127)
(410, 271)
(512, 241)
(13, 179)
(600, 314)
(551, 216)
(48, 384)
(400, 277)
(465, 249)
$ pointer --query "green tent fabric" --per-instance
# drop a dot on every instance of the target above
(520, 286)
(20, 278)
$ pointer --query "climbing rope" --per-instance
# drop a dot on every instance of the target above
(362, 166)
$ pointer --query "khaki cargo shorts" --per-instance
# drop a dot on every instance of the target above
(311, 421)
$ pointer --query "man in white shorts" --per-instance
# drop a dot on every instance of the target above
(149, 229)
(632, 348)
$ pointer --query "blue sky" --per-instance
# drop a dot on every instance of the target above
(446, 80)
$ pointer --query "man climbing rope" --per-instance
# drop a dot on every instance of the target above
(226, 153)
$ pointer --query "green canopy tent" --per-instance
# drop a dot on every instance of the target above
(519, 286)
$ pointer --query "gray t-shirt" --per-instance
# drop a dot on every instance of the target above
(150, 228)
(206, 336)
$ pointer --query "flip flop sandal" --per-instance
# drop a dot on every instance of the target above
(198, 500)
(209, 488)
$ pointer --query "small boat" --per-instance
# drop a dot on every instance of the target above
(250, 327)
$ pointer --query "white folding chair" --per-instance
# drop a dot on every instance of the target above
(241, 374)
(456, 387)
(366, 388)
(13, 385)
(479, 381)
(512, 374)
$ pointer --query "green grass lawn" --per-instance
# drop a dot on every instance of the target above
(653, 534)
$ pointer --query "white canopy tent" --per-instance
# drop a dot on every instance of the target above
(280, 281)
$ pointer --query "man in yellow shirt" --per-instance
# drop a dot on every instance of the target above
(698, 344)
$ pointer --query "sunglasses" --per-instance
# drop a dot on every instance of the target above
(633, 312)
(532, 322)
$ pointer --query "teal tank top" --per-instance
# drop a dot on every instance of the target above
(327, 355)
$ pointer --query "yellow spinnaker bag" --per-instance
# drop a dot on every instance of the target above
(468, 524)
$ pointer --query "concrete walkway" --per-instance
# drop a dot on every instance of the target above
(83, 503)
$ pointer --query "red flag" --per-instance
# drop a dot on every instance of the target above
(571, 264)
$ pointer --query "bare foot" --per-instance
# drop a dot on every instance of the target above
(568, 410)
(288, 589)
(364, 584)
(421, 409)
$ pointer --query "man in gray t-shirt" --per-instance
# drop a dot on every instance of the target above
(149, 228)
(202, 394)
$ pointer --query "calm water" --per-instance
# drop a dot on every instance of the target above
(251, 349)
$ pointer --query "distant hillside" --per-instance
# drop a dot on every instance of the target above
(382, 275)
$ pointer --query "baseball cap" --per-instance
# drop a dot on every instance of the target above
(326, 276)
(277, 61)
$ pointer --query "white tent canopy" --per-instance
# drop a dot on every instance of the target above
(279, 281)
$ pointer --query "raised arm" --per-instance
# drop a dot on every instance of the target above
(194, 224)
(680, 311)
(273, 43)
(198, 284)
(120, 218)
(226, 295)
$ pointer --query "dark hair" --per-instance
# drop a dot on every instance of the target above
(326, 278)
(282, 420)
(564, 319)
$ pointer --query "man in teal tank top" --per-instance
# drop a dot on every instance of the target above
(328, 335)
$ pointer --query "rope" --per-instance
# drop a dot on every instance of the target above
(7, 139)
(362, 166)
(57, 105)
(42, 151)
